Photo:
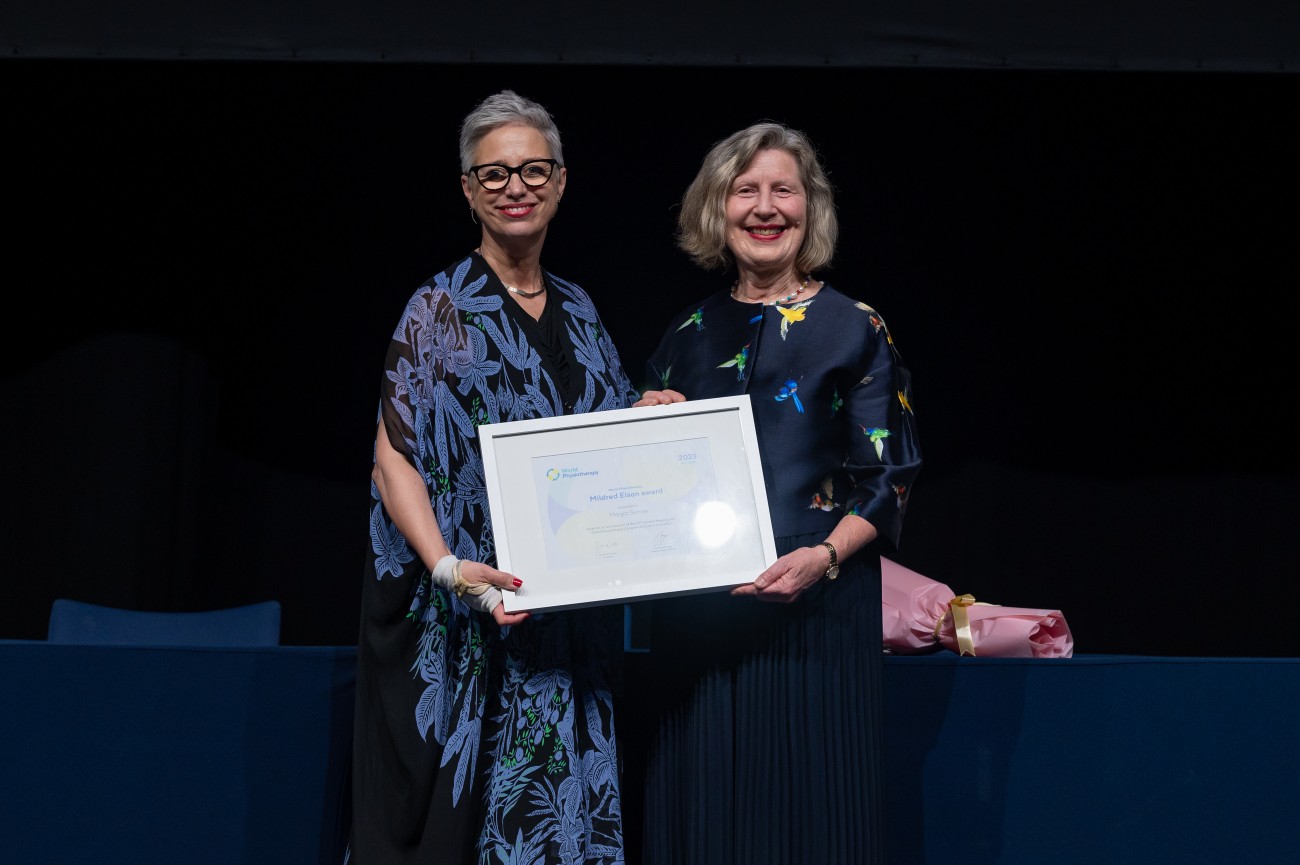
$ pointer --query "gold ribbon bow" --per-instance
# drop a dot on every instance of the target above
(960, 622)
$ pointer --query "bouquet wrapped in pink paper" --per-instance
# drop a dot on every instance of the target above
(922, 615)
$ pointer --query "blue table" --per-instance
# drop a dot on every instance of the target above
(159, 755)
(175, 756)
(1094, 760)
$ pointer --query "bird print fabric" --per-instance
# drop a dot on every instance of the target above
(826, 381)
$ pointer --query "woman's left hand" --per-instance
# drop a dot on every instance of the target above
(788, 577)
(658, 397)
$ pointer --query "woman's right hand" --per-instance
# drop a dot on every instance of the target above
(503, 618)
(479, 574)
(658, 397)
(403, 493)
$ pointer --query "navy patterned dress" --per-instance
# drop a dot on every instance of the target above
(766, 747)
(476, 743)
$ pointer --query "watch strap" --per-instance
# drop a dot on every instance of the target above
(832, 570)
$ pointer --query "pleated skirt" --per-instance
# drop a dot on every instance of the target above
(765, 748)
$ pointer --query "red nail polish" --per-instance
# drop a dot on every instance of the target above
(518, 582)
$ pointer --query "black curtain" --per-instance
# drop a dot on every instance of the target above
(1090, 272)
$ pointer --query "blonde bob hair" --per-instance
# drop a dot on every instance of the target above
(702, 220)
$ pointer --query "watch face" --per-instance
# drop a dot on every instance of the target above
(832, 572)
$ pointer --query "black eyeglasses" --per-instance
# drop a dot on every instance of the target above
(494, 175)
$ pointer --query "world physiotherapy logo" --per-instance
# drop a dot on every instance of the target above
(570, 472)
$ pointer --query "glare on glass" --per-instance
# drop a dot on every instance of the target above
(715, 523)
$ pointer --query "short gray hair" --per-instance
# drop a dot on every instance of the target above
(498, 110)
(702, 220)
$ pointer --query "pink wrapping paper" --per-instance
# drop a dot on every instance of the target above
(912, 605)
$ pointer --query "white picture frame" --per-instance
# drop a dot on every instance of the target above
(627, 504)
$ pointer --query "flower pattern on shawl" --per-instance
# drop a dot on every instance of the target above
(391, 551)
(570, 791)
(459, 360)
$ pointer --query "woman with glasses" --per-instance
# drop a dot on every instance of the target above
(483, 735)
(767, 748)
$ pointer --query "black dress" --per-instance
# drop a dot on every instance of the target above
(767, 746)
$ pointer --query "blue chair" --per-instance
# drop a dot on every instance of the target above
(82, 624)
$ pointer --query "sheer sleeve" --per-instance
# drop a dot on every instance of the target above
(419, 411)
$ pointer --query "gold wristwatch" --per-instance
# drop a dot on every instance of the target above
(833, 570)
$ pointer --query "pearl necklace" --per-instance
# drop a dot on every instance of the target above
(735, 291)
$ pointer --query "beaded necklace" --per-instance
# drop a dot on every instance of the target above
(735, 290)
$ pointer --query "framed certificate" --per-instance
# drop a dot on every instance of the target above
(619, 505)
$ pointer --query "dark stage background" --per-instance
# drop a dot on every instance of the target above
(1091, 274)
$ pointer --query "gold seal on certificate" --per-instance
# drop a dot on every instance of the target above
(619, 505)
